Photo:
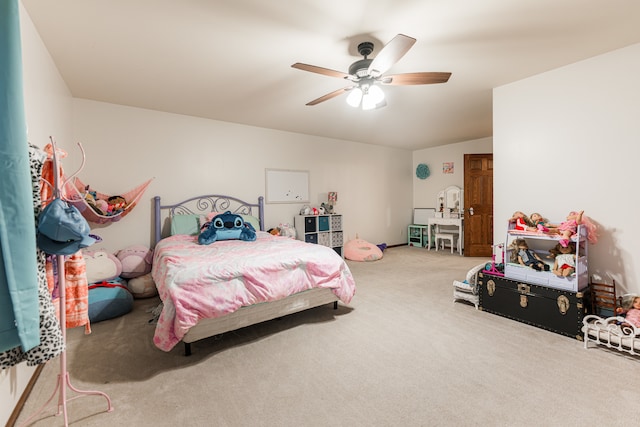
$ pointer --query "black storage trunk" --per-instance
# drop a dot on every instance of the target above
(556, 310)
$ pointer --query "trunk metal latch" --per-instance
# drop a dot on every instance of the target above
(563, 304)
(491, 287)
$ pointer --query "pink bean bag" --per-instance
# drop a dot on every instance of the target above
(361, 250)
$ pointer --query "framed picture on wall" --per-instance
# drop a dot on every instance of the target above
(447, 167)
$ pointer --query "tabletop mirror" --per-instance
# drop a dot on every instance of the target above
(449, 202)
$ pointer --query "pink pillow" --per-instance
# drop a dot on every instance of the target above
(210, 216)
(361, 250)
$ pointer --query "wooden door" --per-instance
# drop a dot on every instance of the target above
(478, 205)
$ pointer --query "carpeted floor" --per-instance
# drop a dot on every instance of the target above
(401, 354)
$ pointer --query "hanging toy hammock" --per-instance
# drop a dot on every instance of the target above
(96, 207)
(102, 208)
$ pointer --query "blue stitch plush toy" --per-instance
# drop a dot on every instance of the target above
(226, 226)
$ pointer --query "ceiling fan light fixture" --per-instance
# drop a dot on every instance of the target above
(367, 74)
(376, 94)
(372, 98)
(355, 97)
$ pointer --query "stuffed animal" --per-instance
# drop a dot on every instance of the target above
(142, 286)
(116, 205)
(101, 266)
(136, 260)
(102, 205)
(274, 231)
(287, 230)
(90, 198)
(226, 226)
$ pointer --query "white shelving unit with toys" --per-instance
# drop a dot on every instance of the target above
(323, 230)
(541, 244)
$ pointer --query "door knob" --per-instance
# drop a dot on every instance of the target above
(470, 211)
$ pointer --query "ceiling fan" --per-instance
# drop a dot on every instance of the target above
(366, 75)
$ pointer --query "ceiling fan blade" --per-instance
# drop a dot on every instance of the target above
(390, 54)
(320, 70)
(426, 78)
(330, 95)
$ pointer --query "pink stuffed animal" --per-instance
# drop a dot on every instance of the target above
(136, 261)
(101, 265)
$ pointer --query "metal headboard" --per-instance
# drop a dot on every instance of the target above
(201, 205)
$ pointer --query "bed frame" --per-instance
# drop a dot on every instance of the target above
(245, 316)
(611, 332)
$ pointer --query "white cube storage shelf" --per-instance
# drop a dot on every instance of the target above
(323, 230)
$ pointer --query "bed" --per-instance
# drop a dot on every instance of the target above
(207, 290)
(612, 332)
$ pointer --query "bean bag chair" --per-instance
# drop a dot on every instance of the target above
(361, 250)
(109, 299)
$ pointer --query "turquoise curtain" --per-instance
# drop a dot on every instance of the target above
(19, 311)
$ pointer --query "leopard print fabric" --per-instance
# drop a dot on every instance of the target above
(51, 341)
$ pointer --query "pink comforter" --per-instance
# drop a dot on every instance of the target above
(206, 281)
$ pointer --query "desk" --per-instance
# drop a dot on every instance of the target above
(445, 221)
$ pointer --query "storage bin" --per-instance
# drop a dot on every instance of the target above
(310, 224)
(336, 223)
(323, 223)
(324, 239)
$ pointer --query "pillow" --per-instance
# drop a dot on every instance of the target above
(185, 224)
(361, 250)
(108, 300)
(101, 265)
(255, 222)
(136, 260)
(250, 219)
(142, 286)
(227, 226)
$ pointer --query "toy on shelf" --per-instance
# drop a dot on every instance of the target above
(541, 224)
(522, 222)
(565, 259)
(525, 256)
(569, 228)
(547, 242)
(493, 268)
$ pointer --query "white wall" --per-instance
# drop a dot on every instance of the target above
(425, 191)
(568, 140)
(563, 140)
(48, 112)
(189, 156)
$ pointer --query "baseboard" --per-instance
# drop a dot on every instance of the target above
(25, 395)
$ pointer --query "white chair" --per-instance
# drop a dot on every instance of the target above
(447, 234)
(468, 290)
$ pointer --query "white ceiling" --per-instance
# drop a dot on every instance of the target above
(231, 60)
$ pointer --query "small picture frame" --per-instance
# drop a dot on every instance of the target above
(447, 167)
